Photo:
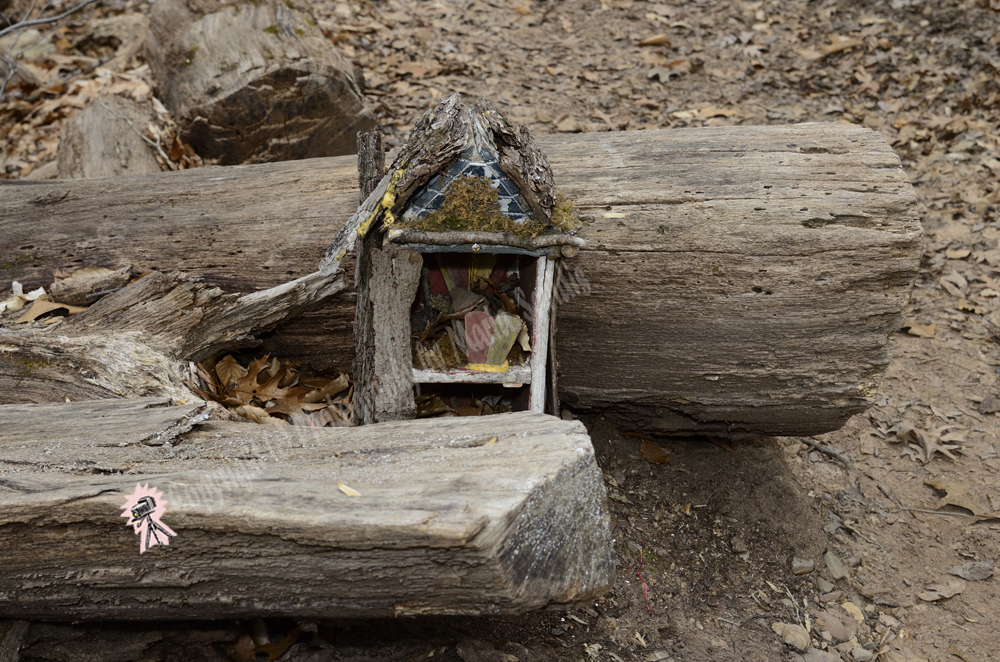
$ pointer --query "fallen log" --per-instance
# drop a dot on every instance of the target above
(471, 515)
(254, 82)
(735, 279)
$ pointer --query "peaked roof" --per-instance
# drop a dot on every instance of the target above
(450, 140)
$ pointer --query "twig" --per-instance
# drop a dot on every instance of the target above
(932, 512)
(10, 60)
(155, 145)
(42, 21)
(826, 450)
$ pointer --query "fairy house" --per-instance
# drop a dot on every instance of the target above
(460, 239)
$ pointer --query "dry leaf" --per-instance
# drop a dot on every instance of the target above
(653, 453)
(957, 254)
(243, 649)
(258, 415)
(954, 284)
(523, 11)
(939, 591)
(276, 649)
(229, 370)
(957, 494)
(919, 330)
(930, 440)
(332, 388)
(657, 40)
(41, 307)
(349, 491)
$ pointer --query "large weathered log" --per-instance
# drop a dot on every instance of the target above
(476, 515)
(735, 279)
(254, 82)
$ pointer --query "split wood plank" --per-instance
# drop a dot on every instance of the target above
(461, 515)
(735, 279)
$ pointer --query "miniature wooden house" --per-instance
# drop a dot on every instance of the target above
(456, 271)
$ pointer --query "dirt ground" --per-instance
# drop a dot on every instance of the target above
(718, 527)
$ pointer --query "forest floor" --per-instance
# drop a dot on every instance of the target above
(718, 527)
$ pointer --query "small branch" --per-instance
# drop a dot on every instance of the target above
(931, 512)
(826, 450)
(42, 21)
(155, 145)
(407, 236)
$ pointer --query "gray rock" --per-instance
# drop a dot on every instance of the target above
(738, 545)
(802, 566)
(832, 624)
(835, 566)
(824, 586)
(793, 635)
(656, 656)
(974, 572)
(862, 654)
(816, 655)
(989, 405)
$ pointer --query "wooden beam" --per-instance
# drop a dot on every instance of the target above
(735, 279)
(462, 515)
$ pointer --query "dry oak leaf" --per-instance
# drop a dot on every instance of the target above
(229, 370)
(931, 441)
(957, 494)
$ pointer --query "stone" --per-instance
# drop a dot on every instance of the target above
(862, 654)
(973, 571)
(854, 611)
(738, 545)
(835, 566)
(656, 656)
(833, 596)
(816, 655)
(832, 624)
(989, 405)
(824, 586)
(802, 566)
(794, 635)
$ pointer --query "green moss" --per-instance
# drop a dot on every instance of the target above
(310, 21)
(299, 31)
(189, 56)
(27, 364)
(471, 204)
(272, 29)
(290, 4)
(563, 215)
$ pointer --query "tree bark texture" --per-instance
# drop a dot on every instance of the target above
(97, 142)
(735, 279)
(255, 81)
(472, 515)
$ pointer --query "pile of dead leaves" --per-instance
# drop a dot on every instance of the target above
(270, 391)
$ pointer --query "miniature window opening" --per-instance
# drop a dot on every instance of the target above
(456, 268)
